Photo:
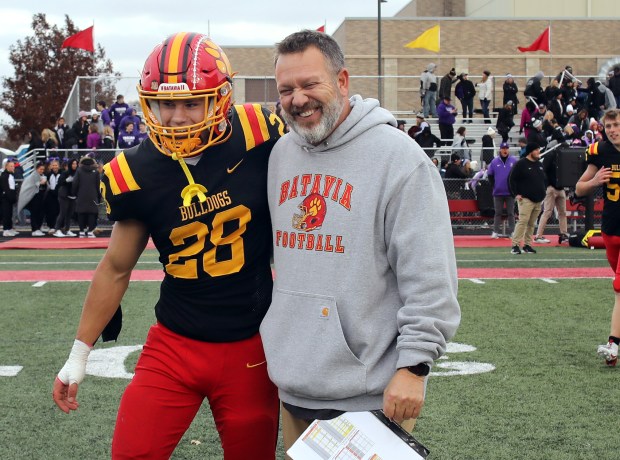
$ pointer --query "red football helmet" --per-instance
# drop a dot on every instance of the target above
(187, 66)
(313, 209)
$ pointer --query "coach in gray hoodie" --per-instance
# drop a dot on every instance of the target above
(365, 276)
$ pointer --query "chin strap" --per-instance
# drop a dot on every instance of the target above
(192, 189)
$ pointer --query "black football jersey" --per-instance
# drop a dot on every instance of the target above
(604, 154)
(215, 253)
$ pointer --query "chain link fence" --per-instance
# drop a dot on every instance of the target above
(478, 218)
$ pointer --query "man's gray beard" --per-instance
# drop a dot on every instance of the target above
(315, 134)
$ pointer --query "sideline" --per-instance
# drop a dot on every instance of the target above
(33, 276)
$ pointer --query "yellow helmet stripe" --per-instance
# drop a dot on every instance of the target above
(173, 57)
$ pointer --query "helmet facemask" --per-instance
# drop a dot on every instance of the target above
(191, 140)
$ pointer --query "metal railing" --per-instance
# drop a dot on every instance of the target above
(85, 91)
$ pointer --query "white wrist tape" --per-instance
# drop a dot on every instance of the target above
(74, 369)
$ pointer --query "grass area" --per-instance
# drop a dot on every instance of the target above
(549, 396)
(547, 256)
(74, 259)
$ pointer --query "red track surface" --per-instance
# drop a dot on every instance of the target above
(59, 243)
(463, 273)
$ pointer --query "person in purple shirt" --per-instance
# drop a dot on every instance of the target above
(497, 173)
(142, 132)
(130, 117)
(105, 113)
(117, 112)
(93, 140)
(446, 116)
(129, 137)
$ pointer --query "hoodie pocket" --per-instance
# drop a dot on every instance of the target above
(307, 354)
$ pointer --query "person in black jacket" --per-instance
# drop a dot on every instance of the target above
(66, 200)
(61, 129)
(505, 120)
(533, 88)
(445, 84)
(527, 184)
(86, 190)
(50, 200)
(595, 101)
(455, 168)
(554, 198)
(510, 93)
(80, 130)
(428, 141)
(465, 92)
(8, 194)
(488, 147)
(614, 84)
(536, 135)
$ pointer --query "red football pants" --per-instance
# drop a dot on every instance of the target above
(612, 250)
(173, 376)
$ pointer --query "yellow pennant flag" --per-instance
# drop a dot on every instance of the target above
(428, 40)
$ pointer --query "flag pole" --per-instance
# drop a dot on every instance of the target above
(551, 53)
(92, 55)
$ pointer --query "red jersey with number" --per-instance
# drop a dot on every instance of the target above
(215, 253)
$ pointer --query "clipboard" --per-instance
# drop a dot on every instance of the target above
(404, 435)
(366, 435)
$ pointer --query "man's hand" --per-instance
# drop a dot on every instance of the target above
(403, 398)
(602, 176)
(70, 376)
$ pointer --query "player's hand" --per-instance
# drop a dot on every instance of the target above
(65, 387)
(403, 398)
(602, 176)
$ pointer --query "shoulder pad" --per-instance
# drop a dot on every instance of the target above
(258, 125)
(119, 175)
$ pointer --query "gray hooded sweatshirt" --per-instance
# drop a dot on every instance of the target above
(365, 273)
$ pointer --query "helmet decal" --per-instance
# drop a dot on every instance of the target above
(313, 210)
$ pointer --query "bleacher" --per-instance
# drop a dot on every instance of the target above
(475, 130)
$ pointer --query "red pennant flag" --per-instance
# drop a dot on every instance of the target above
(82, 40)
(542, 43)
(321, 29)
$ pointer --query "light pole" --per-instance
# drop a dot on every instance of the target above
(380, 83)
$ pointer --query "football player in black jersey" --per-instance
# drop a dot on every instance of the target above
(603, 160)
(198, 188)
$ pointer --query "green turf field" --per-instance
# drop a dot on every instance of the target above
(547, 396)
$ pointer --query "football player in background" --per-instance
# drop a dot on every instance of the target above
(603, 160)
(198, 188)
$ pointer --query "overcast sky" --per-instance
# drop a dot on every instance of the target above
(129, 30)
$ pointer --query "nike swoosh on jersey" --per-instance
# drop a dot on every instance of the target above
(230, 170)
(248, 365)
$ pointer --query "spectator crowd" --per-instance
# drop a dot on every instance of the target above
(63, 187)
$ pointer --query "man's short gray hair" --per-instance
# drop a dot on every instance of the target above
(299, 42)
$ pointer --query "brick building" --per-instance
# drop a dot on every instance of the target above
(475, 35)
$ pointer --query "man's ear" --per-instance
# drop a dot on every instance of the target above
(343, 82)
